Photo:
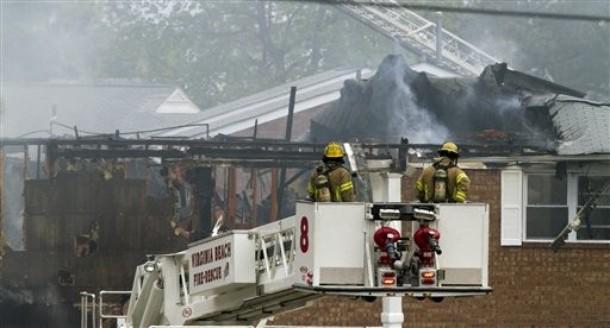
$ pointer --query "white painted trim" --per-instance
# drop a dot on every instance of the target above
(182, 105)
(511, 207)
(239, 120)
(526, 204)
(571, 200)
(248, 122)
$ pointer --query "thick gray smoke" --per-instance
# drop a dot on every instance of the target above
(13, 202)
(15, 295)
(391, 93)
(384, 108)
(399, 102)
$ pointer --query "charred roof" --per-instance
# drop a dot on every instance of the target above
(495, 108)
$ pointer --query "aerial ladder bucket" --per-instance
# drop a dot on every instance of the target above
(242, 276)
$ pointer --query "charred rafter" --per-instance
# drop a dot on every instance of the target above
(244, 153)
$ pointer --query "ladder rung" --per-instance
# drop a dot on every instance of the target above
(405, 25)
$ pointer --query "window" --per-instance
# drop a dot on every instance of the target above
(599, 219)
(537, 205)
(547, 207)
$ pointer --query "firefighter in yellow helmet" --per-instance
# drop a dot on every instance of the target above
(443, 181)
(331, 182)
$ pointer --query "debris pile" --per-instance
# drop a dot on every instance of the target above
(400, 102)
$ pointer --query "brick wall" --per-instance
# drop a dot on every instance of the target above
(533, 287)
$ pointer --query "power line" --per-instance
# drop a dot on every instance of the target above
(64, 125)
(170, 128)
(464, 10)
(33, 132)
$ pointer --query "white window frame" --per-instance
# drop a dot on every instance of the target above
(575, 208)
(507, 237)
(525, 193)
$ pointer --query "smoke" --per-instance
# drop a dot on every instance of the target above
(10, 295)
(50, 40)
(384, 109)
(13, 202)
(21, 307)
(393, 95)
(548, 48)
(501, 45)
(398, 102)
(507, 104)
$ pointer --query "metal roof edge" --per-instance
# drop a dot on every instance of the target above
(539, 158)
(276, 94)
(569, 99)
(277, 91)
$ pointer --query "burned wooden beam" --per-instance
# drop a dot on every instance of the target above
(118, 153)
(244, 153)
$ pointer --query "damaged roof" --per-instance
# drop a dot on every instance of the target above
(269, 105)
(500, 107)
(583, 126)
(312, 92)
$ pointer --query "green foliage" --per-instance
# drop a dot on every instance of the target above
(218, 51)
(45, 40)
(222, 50)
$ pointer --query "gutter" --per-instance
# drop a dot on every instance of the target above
(538, 158)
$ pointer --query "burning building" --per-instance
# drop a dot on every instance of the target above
(92, 208)
(399, 102)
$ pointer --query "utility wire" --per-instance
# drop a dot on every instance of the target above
(33, 132)
(167, 128)
(71, 127)
(129, 132)
(463, 10)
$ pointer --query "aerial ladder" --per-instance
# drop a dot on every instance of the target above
(419, 35)
(381, 248)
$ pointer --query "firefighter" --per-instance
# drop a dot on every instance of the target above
(443, 181)
(331, 182)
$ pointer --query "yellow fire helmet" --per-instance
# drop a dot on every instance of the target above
(333, 150)
(449, 147)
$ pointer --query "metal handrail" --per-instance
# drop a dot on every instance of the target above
(101, 305)
(111, 292)
(84, 310)
(281, 256)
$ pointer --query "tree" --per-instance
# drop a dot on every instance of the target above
(568, 52)
(44, 40)
(218, 51)
(223, 50)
